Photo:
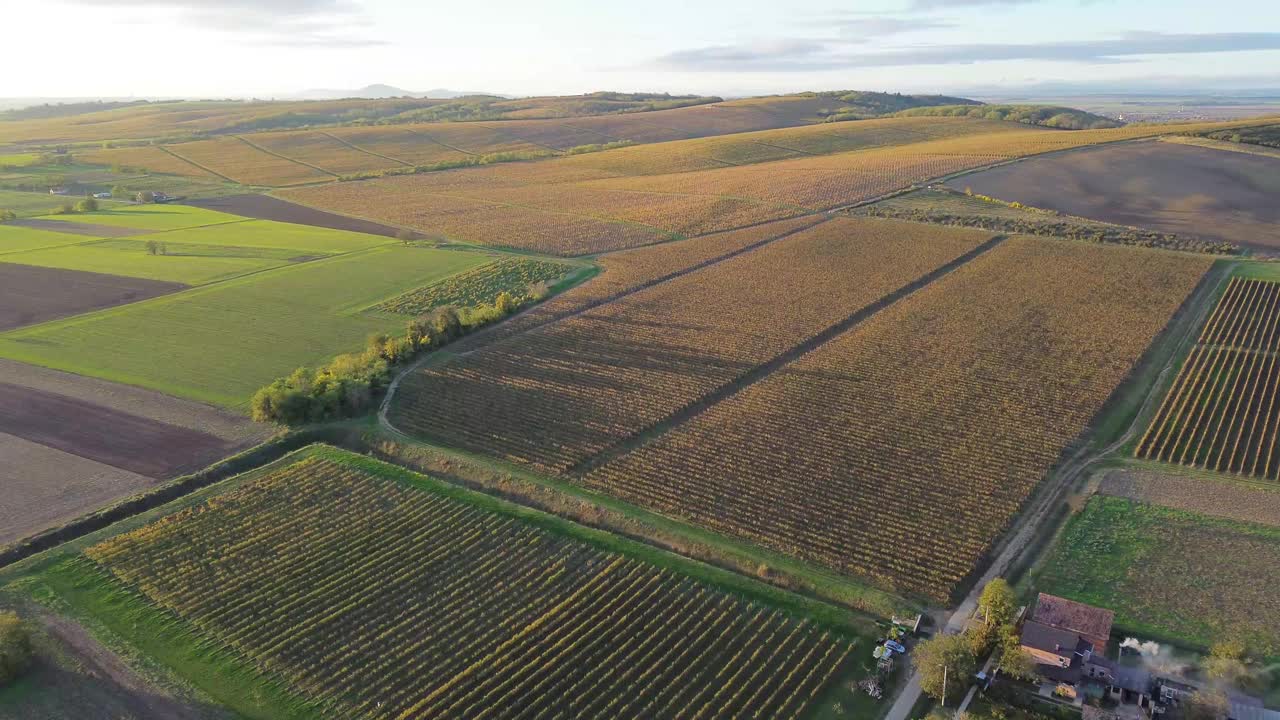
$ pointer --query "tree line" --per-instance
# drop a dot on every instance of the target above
(348, 385)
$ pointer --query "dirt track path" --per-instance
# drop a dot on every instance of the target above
(136, 697)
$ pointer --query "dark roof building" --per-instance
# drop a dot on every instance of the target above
(1089, 622)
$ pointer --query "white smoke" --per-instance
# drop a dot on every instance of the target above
(1158, 659)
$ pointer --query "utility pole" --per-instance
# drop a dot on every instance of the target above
(944, 684)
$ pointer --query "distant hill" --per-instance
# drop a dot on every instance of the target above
(44, 111)
(379, 91)
(1053, 116)
(860, 104)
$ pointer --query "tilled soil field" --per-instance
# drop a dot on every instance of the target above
(1156, 185)
(265, 207)
(79, 228)
(30, 294)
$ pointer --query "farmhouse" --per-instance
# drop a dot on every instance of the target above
(1068, 641)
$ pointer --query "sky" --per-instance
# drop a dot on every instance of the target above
(271, 48)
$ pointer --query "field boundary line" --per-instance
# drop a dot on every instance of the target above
(295, 161)
(429, 138)
(353, 146)
(193, 163)
(762, 371)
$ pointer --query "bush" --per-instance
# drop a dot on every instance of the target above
(7, 215)
(88, 204)
(15, 647)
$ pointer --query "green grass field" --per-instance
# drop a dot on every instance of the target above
(192, 255)
(150, 217)
(189, 264)
(300, 239)
(19, 159)
(31, 204)
(1173, 575)
(14, 239)
(221, 343)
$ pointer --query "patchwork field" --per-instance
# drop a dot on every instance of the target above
(72, 444)
(266, 207)
(617, 369)
(1171, 573)
(1160, 186)
(475, 604)
(222, 342)
(1220, 413)
(28, 204)
(30, 295)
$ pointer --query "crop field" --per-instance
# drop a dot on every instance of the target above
(374, 593)
(1216, 496)
(628, 271)
(1171, 574)
(401, 143)
(241, 162)
(149, 157)
(220, 343)
(624, 366)
(321, 150)
(950, 207)
(1167, 187)
(1221, 413)
(479, 286)
(483, 222)
(1030, 340)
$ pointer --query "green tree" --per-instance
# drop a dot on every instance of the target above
(153, 247)
(89, 204)
(1226, 662)
(7, 215)
(119, 191)
(1014, 661)
(405, 235)
(997, 604)
(15, 647)
(945, 662)
(146, 196)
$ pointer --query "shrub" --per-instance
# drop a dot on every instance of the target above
(88, 204)
(7, 215)
(15, 647)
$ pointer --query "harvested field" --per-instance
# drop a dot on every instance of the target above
(228, 427)
(1161, 186)
(1221, 413)
(1171, 574)
(560, 394)
(76, 228)
(472, 607)
(1208, 495)
(104, 434)
(30, 294)
(1029, 340)
(265, 207)
(44, 487)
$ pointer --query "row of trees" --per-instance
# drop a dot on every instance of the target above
(348, 385)
(15, 647)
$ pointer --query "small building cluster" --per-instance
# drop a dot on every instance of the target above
(1068, 641)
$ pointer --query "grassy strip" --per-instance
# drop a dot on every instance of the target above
(220, 673)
